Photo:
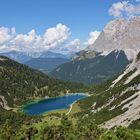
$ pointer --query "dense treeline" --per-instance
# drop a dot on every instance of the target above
(20, 83)
(84, 129)
(17, 119)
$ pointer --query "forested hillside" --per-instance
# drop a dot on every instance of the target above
(20, 83)
(46, 65)
(84, 129)
(92, 68)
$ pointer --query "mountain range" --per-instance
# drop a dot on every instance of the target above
(43, 61)
(115, 102)
(89, 70)
(23, 57)
(111, 70)
(116, 46)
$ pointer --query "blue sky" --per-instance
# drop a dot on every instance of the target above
(36, 22)
(81, 16)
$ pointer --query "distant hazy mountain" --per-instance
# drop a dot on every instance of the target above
(46, 64)
(18, 56)
(23, 57)
(50, 54)
(43, 61)
(92, 68)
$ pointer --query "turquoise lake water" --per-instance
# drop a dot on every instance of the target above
(51, 104)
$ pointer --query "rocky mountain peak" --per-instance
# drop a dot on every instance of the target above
(120, 34)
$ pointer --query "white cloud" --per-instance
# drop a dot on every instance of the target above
(74, 45)
(52, 38)
(56, 35)
(6, 34)
(92, 38)
(117, 8)
(125, 9)
(28, 42)
(69, 47)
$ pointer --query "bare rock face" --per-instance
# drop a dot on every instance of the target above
(131, 82)
(120, 34)
(3, 103)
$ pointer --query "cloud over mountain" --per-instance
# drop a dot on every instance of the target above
(125, 9)
(92, 37)
(74, 45)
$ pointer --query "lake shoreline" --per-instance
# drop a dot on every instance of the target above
(45, 98)
(34, 102)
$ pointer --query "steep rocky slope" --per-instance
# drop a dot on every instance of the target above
(120, 34)
(116, 102)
